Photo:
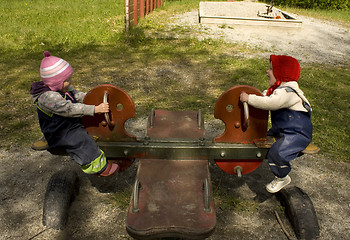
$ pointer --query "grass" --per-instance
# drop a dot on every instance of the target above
(341, 16)
(30, 25)
(331, 107)
(149, 62)
(120, 199)
(226, 201)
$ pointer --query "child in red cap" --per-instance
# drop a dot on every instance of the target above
(290, 117)
(60, 109)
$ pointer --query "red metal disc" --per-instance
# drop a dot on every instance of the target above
(121, 109)
(230, 110)
(247, 165)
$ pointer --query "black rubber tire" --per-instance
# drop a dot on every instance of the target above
(60, 193)
(300, 211)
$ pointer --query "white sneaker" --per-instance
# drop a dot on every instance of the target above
(277, 184)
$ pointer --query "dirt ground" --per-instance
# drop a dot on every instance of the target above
(24, 173)
(91, 217)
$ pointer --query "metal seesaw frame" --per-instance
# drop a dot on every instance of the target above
(172, 192)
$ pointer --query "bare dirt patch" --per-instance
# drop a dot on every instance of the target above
(25, 173)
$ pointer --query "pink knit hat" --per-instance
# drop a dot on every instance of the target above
(54, 71)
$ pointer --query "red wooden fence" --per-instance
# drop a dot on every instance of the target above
(135, 9)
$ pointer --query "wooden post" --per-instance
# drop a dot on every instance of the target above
(135, 12)
(139, 8)
(147, 7)
(142, 8)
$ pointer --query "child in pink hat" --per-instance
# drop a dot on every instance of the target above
(290, 117)
(60, 109)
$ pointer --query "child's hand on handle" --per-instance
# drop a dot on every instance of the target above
(102, 108)
(243, 97)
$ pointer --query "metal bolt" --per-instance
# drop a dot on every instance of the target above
(238, 170)
(259, 154)
(222, 154)
(126, 152)
(104, 123)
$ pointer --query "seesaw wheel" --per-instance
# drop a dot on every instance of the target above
(60, 193)
(243, 124)
(109, 126)
(300, 211)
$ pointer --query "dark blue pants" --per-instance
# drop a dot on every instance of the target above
(293, 130)
(83, 149)
(81, 146)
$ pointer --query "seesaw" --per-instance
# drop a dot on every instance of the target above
(172, 194)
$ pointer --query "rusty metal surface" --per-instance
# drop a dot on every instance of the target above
(171, 200)
(169, 194)
(121, 109)
(196, 150)
(229, 109)
(175, 125)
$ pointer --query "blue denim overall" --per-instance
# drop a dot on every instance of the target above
(69, 133)
(293, 130)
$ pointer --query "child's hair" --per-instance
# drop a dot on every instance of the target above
(285, 69)
(54, 71)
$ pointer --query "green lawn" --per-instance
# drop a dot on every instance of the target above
(341, 16)
(89, 35)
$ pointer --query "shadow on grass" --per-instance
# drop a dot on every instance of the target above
(157, 73)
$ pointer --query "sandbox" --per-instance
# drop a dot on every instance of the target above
(245, 13)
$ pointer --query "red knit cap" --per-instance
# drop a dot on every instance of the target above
(285, 69)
